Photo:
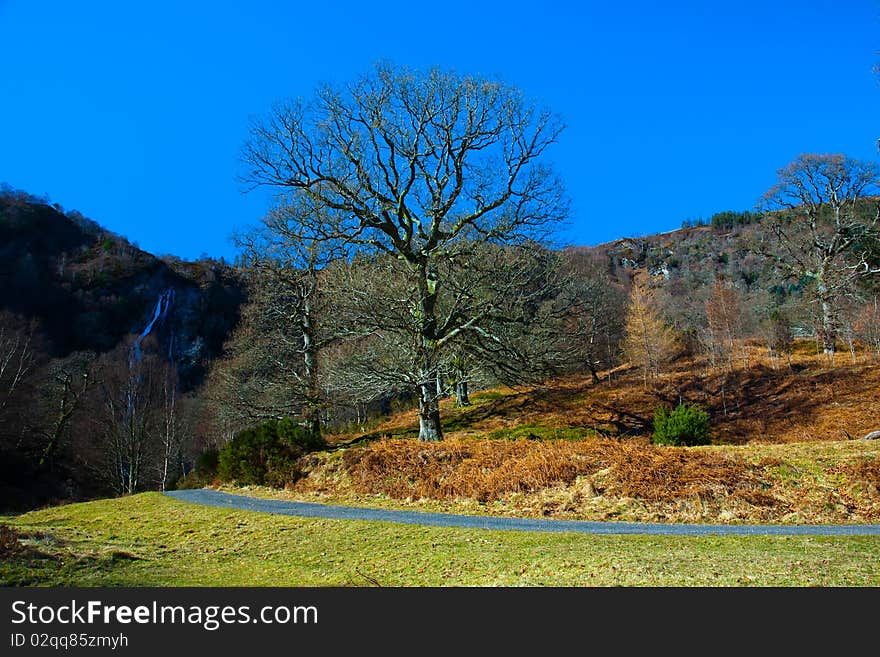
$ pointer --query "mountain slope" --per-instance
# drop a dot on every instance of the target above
(90, 289)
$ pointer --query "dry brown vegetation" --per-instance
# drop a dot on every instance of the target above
(602, 479)
(20, 546)
(865, 472)
(781, 433)
(10, 546)
(766, 402)
(487, 470)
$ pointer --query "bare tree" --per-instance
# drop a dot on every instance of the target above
(257, 379)
(129, 391)
(17, 355)
(171, 427)
(827, 228)
(460, 370)
(774, 329)
(71, 380)
(593, 310)
(373, 310)
(726, 324)
(415, 165)
(285, 333)
(867, 326)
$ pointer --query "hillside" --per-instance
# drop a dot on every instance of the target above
(89, 289)
(763, 401)
(77, 305)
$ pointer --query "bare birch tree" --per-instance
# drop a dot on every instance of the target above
(17, 356)
(726, 320)
(129, 395)
(172, 427)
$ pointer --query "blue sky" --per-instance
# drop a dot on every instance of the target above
(134, 113)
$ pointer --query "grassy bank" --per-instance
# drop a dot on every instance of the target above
(150, 539)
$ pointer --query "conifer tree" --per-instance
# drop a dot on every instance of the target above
(649, 342)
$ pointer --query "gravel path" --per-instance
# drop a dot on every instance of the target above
(210, 497)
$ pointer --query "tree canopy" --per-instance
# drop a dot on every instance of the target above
(424, 167)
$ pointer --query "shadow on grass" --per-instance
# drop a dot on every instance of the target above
(743, 404)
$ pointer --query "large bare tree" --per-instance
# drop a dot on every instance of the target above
(412, 164)
(825, 227)
(509, 290)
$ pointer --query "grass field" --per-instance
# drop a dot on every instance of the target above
(152, 540)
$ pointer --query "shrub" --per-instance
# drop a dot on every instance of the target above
(207, 461)
(296, 435)
(686, 425)
(10, 545)
(204, 473)
(267, 453)
(193, 480)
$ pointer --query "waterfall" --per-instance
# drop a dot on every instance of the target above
(162, 307)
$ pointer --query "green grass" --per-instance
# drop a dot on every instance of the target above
(486, 396)
(152, 540)
(538, 432)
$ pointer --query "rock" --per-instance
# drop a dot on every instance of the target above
(874, 435)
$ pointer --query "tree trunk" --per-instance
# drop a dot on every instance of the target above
(164, 481)
(461, 394)
(429, 414)
(591, 362)
(57, 428)
(828, 331)
(593, 373)
(312, 409)
(429, 407)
